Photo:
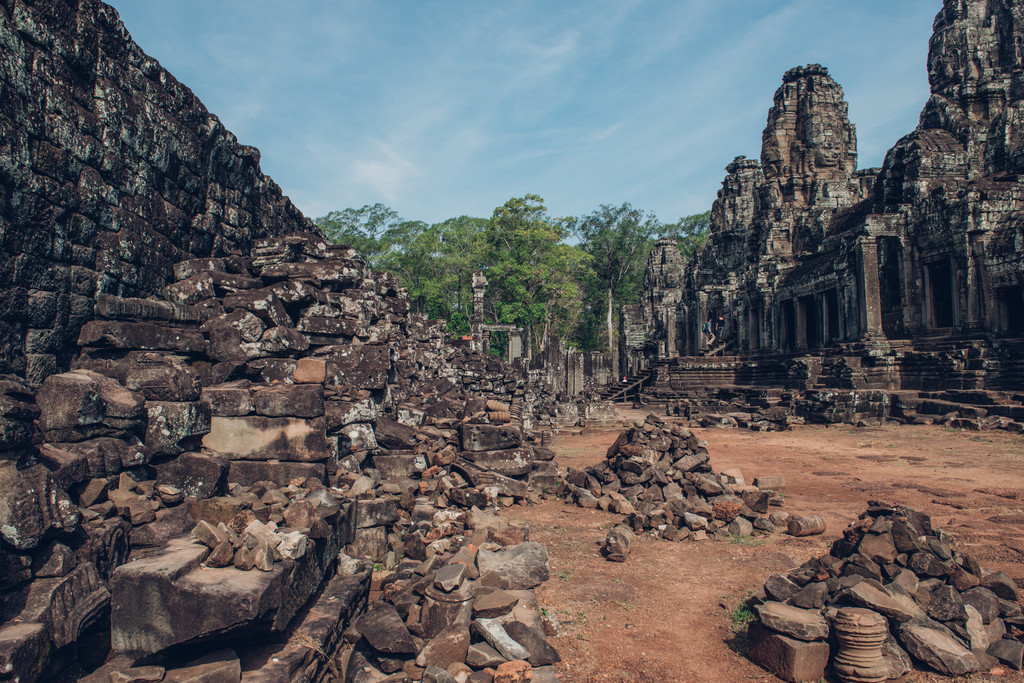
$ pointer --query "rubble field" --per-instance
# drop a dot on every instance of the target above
(668, 612)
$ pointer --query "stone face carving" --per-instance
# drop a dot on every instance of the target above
(864, 268)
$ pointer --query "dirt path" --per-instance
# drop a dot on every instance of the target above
(666, 613)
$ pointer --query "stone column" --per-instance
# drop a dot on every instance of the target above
(515, 345)
(979, 310)
(870, 296)
(670, 333)
(477, 319)
(702, 316)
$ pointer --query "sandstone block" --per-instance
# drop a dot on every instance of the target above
(790, 659)
(269, 438)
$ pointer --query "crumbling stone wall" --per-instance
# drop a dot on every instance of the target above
(110, 171)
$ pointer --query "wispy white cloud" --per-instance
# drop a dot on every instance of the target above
(445, 107)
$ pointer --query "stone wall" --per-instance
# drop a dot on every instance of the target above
(110, 171)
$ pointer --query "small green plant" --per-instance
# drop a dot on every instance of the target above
(580, 636)
(565, 575)
(741, 616)
(624, 605)
(378, 566)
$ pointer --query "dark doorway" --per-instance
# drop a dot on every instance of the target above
(811, 320)
(940, 291)
(832, 311)
(754, 329)
(890, 285)
(788, 341)
(1011, 309)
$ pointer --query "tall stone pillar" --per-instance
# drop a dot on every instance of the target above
(477, 319)
(869, 294)
(670, 333)
(978, 311)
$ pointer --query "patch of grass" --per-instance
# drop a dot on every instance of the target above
(565, 575)
(741, 616)
(749, 541)
(624, 605)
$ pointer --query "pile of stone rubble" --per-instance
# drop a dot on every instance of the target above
(270, 415)
(467, 613)
(660, 478)
(772, 409)
(910, 589)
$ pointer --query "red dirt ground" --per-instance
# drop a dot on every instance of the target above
(666, 613)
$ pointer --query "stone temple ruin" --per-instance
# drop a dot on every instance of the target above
(839, 294)
(213, 423)
(216, 428)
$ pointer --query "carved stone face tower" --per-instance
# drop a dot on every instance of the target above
(809, 146)
(976, 73)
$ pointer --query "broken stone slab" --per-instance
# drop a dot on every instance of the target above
(385, 631)
(897, 607)
(77, 404)
(494, 633)
(792, 621)
(200, 475)
(790, 659)
(938, 650)
(289, 400)
(316, 631)
(517, 567)
(485, 437)
(511, 462)
(66, 605)
(269, 438)
(25, 650)
(67, 468)
(394, 435)
(396, 466)
(222, 665)
(176, 427)
(531, 638)
(32, 506)
(361, 367)
(187, 603)
(161, 377)
(449, 646)
(248, 472)
(141, 336)
(230, 399)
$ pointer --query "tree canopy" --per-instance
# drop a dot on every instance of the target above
(551, 276)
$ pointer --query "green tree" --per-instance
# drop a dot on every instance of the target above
(362, 229)
(533, 275)
(689, 232)
(618, 240)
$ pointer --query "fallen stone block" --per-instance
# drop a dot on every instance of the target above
(790, 659)
(269, 438)
(32, 506)
(938, 650)
(174, 428)
(485, 437)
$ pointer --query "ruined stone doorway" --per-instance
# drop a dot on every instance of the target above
(811, 322)
(939, 302)
(1011, 309)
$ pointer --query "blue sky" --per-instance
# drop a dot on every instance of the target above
(440, 108)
